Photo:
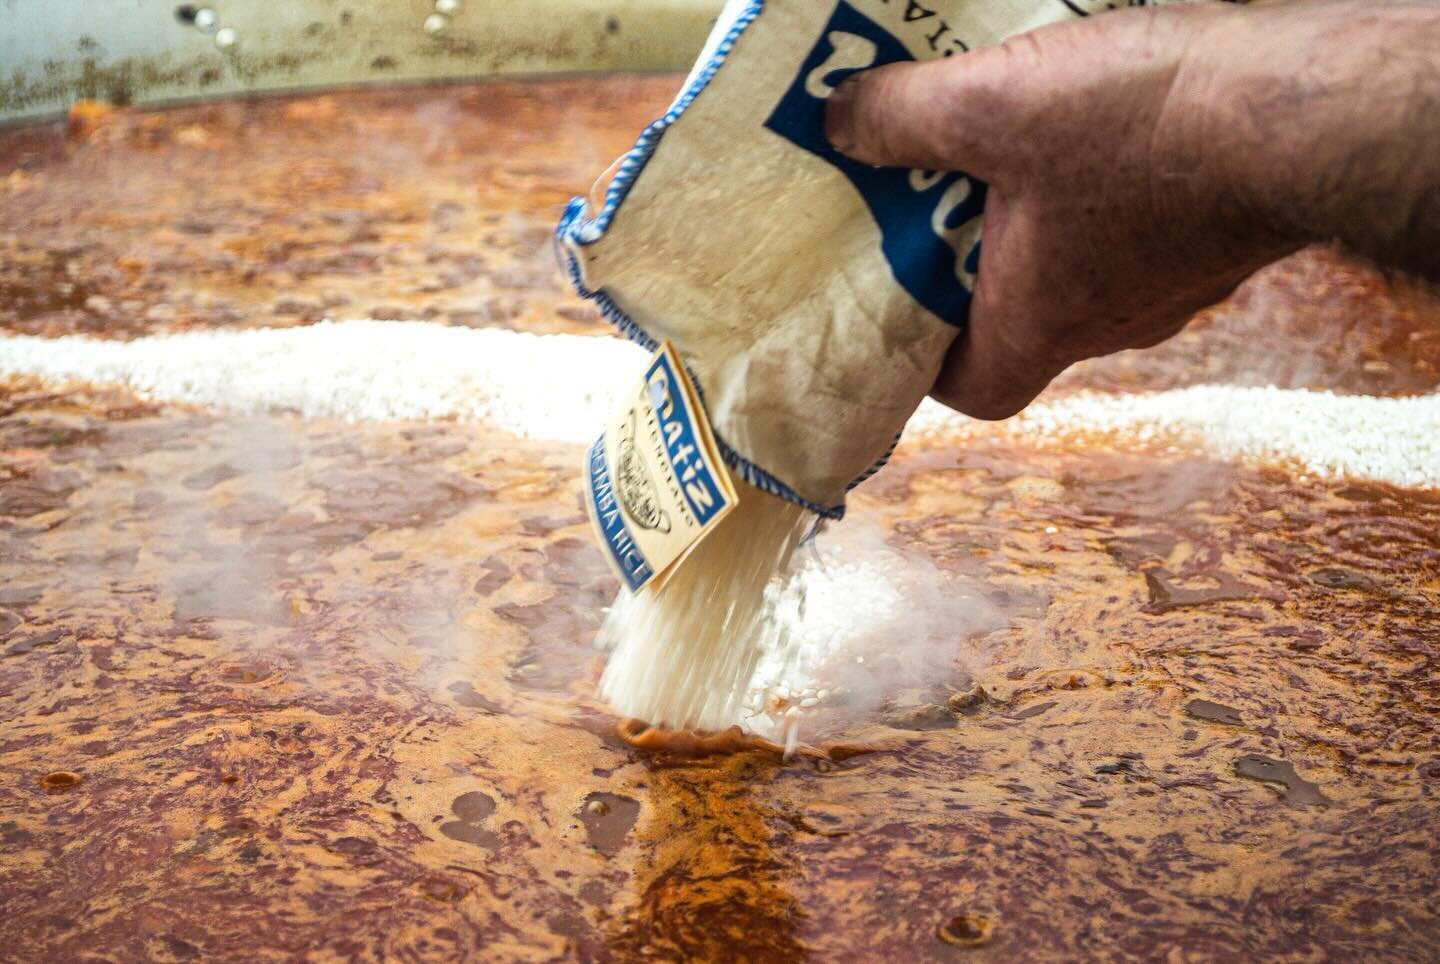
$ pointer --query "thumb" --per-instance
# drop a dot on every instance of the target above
(939, 115)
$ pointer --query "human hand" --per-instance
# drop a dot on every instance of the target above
(1143, 163)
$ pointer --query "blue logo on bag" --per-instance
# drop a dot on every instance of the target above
(693, 473)
(929, 220)
(605, 508)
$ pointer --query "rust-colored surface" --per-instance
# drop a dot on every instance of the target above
(438, 205)
(1316, 320)
(278, 689)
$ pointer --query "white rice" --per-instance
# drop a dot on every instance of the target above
(556, 387)
(561, 387)
(1394, 440)
(686, 655)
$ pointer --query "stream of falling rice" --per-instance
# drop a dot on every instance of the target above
(684, 656)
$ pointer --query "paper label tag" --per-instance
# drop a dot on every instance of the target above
(654, 482)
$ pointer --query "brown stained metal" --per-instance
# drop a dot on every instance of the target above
(323, 691)
(77, 51)
(128, 79)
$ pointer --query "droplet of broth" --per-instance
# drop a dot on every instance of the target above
(246, 673)
(241, 827)
(830, 819)
(608, 824)
(473, 807)
(1214, 712)
(358, 849)
(464, 693)
(925, 716)
(60, 781)
(1297, 790)
(568, 925)
(1030, 711)
(211, 477)
(21, 595)
(497, 574)
(471, 834)
(1128, 766)
(1132, 551)
(967, 930)
(1334, 577)
(1167, 592)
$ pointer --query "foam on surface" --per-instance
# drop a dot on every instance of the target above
(854, 623)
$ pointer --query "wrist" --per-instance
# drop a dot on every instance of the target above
(1323, 122)
(1211, 156)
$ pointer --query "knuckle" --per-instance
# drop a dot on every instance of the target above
(877, 107)
(1021, 54)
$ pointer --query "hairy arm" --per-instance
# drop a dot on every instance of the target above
(1143, 163)
(1333, 110)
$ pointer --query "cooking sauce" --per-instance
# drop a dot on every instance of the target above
(283, 688)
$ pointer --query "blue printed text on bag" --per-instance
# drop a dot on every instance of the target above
(929, 221)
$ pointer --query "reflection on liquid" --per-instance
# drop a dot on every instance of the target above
(1214, 712)
(608, 819)
(277, 688)
(288, 702)
(1262, 768)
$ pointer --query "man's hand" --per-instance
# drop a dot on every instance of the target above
(1143, 163)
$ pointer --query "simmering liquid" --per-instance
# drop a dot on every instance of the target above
(279, 688)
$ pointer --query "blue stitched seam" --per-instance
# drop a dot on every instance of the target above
(745, 468)
(580, 231)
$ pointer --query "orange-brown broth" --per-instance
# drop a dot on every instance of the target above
(279, 688)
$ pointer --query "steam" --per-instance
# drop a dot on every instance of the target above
(220, 576)
(860, 625)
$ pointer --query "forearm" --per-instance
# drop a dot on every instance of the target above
(1329, 116)
(1142, 164)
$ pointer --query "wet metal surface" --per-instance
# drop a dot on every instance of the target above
(280, 689)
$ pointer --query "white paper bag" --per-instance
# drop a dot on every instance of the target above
(811, 296)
